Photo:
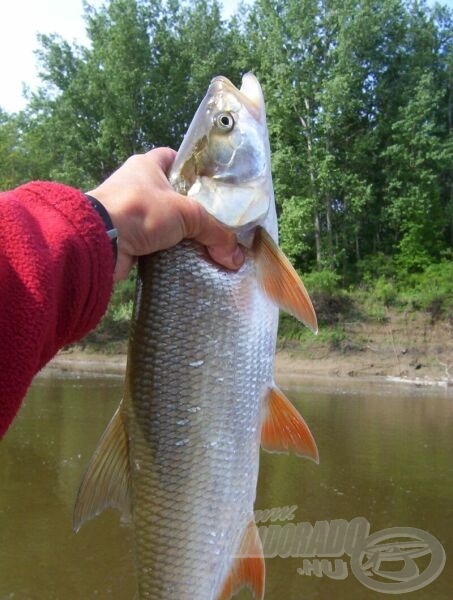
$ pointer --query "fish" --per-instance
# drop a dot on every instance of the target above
(180, 457)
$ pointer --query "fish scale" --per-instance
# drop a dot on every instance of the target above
(181, 452)
(194, 481)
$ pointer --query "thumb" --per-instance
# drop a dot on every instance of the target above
(164, 157)
(221, 244)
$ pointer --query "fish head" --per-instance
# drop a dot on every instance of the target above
(224, 160)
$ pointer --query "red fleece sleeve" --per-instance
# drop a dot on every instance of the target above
(56, 265)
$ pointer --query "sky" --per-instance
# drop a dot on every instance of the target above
(21, 21)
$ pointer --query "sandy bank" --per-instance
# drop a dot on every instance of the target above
(292, 368)
(407, 348)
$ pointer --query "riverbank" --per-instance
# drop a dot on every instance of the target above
(407, 348)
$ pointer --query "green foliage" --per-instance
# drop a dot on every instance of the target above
(375, 265)
(413, 182)
(334, 337)
(431, 290)
(295, 227)
(123, 312)
(291, 330)
(10, 154)
(116, 322)
(331, 303)
(384, 290)
(375, 311)
(323, 282)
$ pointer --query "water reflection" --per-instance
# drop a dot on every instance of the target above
(385, 455)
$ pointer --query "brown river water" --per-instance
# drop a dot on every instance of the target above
(386, 456)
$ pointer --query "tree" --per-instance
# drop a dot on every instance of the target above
(359, 106)
(343, 84)
(416, 156)
(136, 86)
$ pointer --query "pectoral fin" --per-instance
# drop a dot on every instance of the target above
(280, 281)
(284, 429)
(106, 481)
(248, 567)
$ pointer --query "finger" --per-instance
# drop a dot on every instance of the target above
(164, 157)
(221, 243)
(224, 257)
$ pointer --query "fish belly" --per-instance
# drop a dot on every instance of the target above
(200, 362)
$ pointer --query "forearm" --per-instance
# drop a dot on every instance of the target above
(55, 275)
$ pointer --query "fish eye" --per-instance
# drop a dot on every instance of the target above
(224, 121)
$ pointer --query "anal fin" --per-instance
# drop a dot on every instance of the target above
(248, 568)
(283, 429)
(106, 481)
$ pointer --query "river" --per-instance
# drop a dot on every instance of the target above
(385, 460)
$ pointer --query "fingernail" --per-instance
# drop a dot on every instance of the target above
(238, 257)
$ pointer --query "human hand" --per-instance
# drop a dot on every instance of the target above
(150, 216)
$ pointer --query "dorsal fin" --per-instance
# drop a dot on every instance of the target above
(284, 429)
(106, 481)
(280, 281)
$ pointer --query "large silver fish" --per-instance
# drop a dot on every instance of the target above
(181, 453)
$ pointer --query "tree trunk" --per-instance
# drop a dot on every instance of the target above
(329, 232)
(306, 124)
(357, 246)
(318, 241)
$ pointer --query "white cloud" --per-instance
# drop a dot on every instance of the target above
(19, 26)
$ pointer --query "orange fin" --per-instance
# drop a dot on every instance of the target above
(248, 567)
(280, 280)
(283, 428)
